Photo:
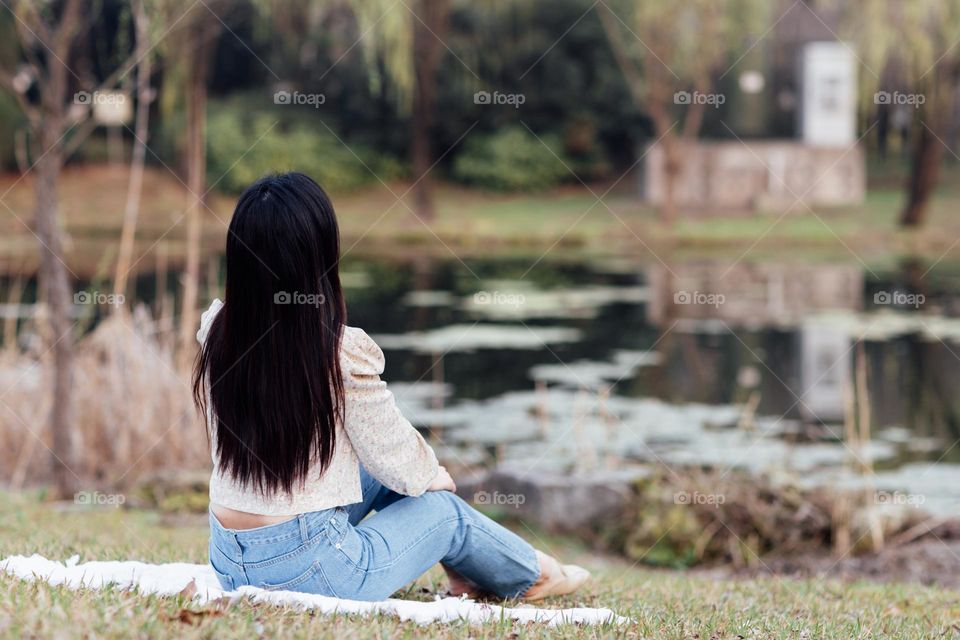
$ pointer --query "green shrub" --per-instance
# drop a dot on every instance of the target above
(241, 150)
(512, 159)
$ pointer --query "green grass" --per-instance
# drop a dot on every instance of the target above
(472, 222)
(662, 604)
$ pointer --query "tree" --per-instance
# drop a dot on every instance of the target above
(141, 130)
(918, 39)
(42, 86)
(410, 41)
(667, 46)
(189, 50)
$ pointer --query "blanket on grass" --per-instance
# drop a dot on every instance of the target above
(176, 578)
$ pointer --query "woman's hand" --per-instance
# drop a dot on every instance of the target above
(443, 481)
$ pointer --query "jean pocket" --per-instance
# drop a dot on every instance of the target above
(310, 581)
(226, 582)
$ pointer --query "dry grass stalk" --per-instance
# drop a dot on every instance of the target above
(133, 409)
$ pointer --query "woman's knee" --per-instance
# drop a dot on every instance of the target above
(447, 501)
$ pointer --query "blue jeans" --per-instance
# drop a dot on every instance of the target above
(332, 553)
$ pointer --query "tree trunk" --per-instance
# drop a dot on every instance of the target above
(928, 143)
(57, 294)
(927, 154)
(672, 166)
(196, 99)
(429, 30)
(132, 210)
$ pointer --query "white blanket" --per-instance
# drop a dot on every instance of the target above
(175, 578)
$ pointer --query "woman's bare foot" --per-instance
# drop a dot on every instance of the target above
(556, 579)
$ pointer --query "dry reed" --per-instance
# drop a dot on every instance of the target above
(132, 408)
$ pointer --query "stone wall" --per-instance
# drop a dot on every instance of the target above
(759, 175)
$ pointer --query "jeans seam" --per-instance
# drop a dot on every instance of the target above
(406, 549)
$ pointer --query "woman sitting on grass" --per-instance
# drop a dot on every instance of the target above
(307, 441)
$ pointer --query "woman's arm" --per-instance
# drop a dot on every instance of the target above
(386, 443)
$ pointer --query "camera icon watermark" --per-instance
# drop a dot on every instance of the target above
(697, 498)
(98, 298)
(512, 99)
(97, 499)
(296, 297)
(498, 298)
(485, 498)
(696, 97)
(298, 98)
(899, 299)
(900, 498)
(897, 98)
(699, 298)
(87, 98)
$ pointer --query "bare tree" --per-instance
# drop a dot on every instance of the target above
(141, 128)
(195, 165)
(47, 37)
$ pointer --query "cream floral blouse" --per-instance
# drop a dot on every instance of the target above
(377, 436)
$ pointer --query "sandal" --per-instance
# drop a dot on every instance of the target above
(556, 579)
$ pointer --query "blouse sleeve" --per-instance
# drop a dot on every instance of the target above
(386, 443)
(206, 319)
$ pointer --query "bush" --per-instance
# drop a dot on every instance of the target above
(234, 152)
(511, 160)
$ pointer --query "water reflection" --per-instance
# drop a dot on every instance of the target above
(582, 365)
(691, 363)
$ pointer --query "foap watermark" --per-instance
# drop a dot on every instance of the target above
(898, 97)
(900, 498)
(499, 499)
(899, 299)
(697, 498)
(512, 99)
(98, 499)
(296, 297)
(299, 98)
(98, 298)
(696, 97)
(499, 298)
(699, 298)
(87, 98)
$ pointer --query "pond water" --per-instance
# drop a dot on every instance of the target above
(581, 366)
(584, 365)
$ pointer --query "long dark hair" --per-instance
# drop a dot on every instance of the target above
(270, 361)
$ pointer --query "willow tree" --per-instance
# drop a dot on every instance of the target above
(918, 41)
(663, 47)
(409, 40)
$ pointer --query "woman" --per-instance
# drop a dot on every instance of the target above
(307, 441)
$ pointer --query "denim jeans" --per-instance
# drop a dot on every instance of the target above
(333, 553)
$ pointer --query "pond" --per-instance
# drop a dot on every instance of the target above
(584, 365)
(580, 365)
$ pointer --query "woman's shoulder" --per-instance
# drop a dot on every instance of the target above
(359, 354)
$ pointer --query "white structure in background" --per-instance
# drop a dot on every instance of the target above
(828, 89)
(113, 110)
(824, 371)
(823, 166)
